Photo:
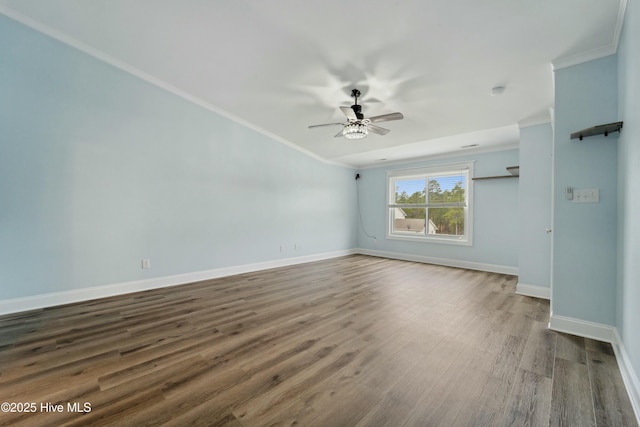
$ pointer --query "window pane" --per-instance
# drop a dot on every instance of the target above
(447, 189)
(431, 204)
(410, 190)
(446, 221)
(408, 221)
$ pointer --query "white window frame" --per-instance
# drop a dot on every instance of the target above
(431, 171)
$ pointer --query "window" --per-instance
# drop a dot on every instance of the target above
(431, 204)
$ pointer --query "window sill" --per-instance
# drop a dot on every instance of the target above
(437, 240)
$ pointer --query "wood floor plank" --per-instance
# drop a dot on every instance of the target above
(571, 347)
(401, 397)
(539, 356)
(292, 382)
(477, 415)
(612, 405)
(530, 401)
(502, 374)
(572, 403)
(194, 388)
(356, 403)
(356, 340)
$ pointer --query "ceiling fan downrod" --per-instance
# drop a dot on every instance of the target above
(357, 109)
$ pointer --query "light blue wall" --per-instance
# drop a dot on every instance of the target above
(99, 169)
(628, 320)
(584, 265)
(536, 145)
(495, 215)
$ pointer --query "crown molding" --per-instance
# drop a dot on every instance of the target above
(127, 68)
(535, 121)
(465, 153)
(619, 23)
(582, 57)
(601, 52)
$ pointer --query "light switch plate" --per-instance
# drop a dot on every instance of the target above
(590, 195)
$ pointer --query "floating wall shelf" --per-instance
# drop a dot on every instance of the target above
(513, 170)
(598, 130)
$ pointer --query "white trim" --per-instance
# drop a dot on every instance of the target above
(457, 168)
(492, 268)
(619, 24)
(76, 295)
(536, 121)
(35, 302)
(597, 53)
(439, 169)
(582, 57)
(557, 323)
(427, 238)
(582, 328)
(606, 333)
(462, 153)
(127, 68)
(629, 376)
(533, 291)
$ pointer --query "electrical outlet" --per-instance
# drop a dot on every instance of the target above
(146, 263)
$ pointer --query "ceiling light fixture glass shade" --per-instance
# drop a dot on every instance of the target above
(355, 131)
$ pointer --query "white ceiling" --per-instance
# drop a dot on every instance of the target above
(279, 66)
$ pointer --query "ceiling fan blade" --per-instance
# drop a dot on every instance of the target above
(326, 124)
(338, 134)
(378, 130)
(386, 117)
(348, 111)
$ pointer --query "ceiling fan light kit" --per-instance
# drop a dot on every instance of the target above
(355, 131)
(357, 127)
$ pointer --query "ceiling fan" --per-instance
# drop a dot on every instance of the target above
(357, 127)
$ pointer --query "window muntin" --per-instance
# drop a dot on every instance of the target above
(431, 204)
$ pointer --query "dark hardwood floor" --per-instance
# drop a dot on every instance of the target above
(351, 341)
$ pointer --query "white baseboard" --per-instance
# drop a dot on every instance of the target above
(582, 328)
(569, 325)
(76, 295)
(629, 375)
(608, 334)
(533, 291)
(492, 268)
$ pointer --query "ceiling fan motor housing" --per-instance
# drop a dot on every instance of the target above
(357, 109)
